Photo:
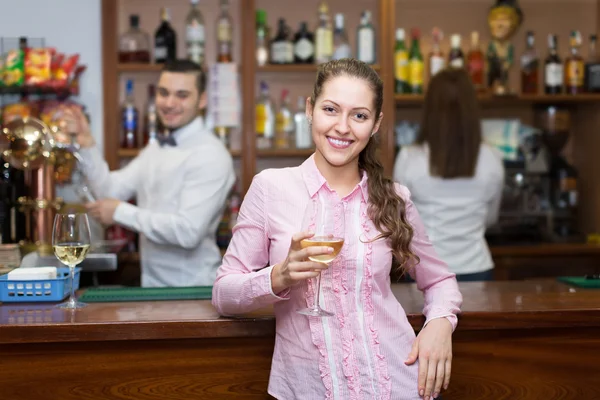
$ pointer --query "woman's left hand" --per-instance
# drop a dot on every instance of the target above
(433, 349)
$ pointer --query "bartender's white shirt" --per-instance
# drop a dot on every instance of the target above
(456, 212)
(180, 193)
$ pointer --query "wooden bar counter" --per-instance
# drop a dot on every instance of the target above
(515, 340)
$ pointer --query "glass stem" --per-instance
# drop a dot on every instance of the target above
(72, 271)
(318, 292)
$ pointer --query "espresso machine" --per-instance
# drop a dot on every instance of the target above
(539, 202)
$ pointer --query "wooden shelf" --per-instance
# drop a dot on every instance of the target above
(130, 153)
(138, 67)
(417, 100)
(282, 153)
(294, 68)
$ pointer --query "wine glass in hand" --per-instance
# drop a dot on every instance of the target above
(327, 223)
(71, 241)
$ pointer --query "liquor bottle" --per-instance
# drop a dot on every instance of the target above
(530, 66)
(12, 220)
(304, 48)
(129, 119)
(365, 39)
(165, 39)
(323, 36)
(152, 124)
(592, 67)
(401, 63)
(553, 68)
(415, 64)
(456, 58)
(282, 49)
(262, 38)
(476, 63)
(302, 132)
(134, 45)
(341, 46)
(574, 67)
(436, 56)
(265, 118)
(284, 123)
(225, 34)
(194, 33)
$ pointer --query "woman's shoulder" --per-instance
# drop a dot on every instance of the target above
(278, 178)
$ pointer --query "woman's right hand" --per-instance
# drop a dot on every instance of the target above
(297, 267)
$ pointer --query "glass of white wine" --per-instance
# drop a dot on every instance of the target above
(71, 241)
(327, 222)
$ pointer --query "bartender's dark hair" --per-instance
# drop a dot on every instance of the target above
(451, 126)
(182, 65)
(386, 209)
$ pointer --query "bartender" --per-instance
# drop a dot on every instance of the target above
(180, 183)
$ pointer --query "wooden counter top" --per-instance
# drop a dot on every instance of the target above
(486, 305)
(546, 249)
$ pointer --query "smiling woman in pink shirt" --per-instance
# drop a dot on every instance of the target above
(368, 349)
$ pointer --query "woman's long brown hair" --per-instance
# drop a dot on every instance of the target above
(451, 126)
(386, 209)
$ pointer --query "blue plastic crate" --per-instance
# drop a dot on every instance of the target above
(42, 290)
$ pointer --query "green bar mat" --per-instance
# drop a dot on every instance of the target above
(581, 281)
(105, 295)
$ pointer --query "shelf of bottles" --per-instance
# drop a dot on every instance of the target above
(139, 52)
(282, 130)
(552, 80)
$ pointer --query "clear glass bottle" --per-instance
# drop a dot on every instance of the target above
(134, 45)
(341, 46)
(323, 36)
(476, 63)
(303, 136)
(225, 34)
(194, 33)
(365, 39)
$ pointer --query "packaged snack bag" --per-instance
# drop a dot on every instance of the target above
(14, 69)
(38, 66)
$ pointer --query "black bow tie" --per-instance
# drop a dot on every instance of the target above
(166, 140)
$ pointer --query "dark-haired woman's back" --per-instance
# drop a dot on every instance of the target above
(456, 212)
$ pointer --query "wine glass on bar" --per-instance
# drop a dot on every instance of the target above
(71, 241)
(327, 222)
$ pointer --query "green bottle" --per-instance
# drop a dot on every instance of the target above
(415, 64)
(401, 63)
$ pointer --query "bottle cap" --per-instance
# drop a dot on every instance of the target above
(400, 35)
(455, 40)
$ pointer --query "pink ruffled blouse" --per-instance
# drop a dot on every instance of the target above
(359, 353)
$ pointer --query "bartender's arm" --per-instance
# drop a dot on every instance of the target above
(207, 178)
(120, 184)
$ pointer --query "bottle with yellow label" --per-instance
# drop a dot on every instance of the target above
(415, 64)
(264, 118)
(401, 63)
(574, 66)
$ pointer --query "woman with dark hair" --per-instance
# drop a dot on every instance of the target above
(455, 179)
(367, 349)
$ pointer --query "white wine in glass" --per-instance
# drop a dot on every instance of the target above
(327, 222)
(71, 241)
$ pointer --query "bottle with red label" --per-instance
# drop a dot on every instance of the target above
(476, 63)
